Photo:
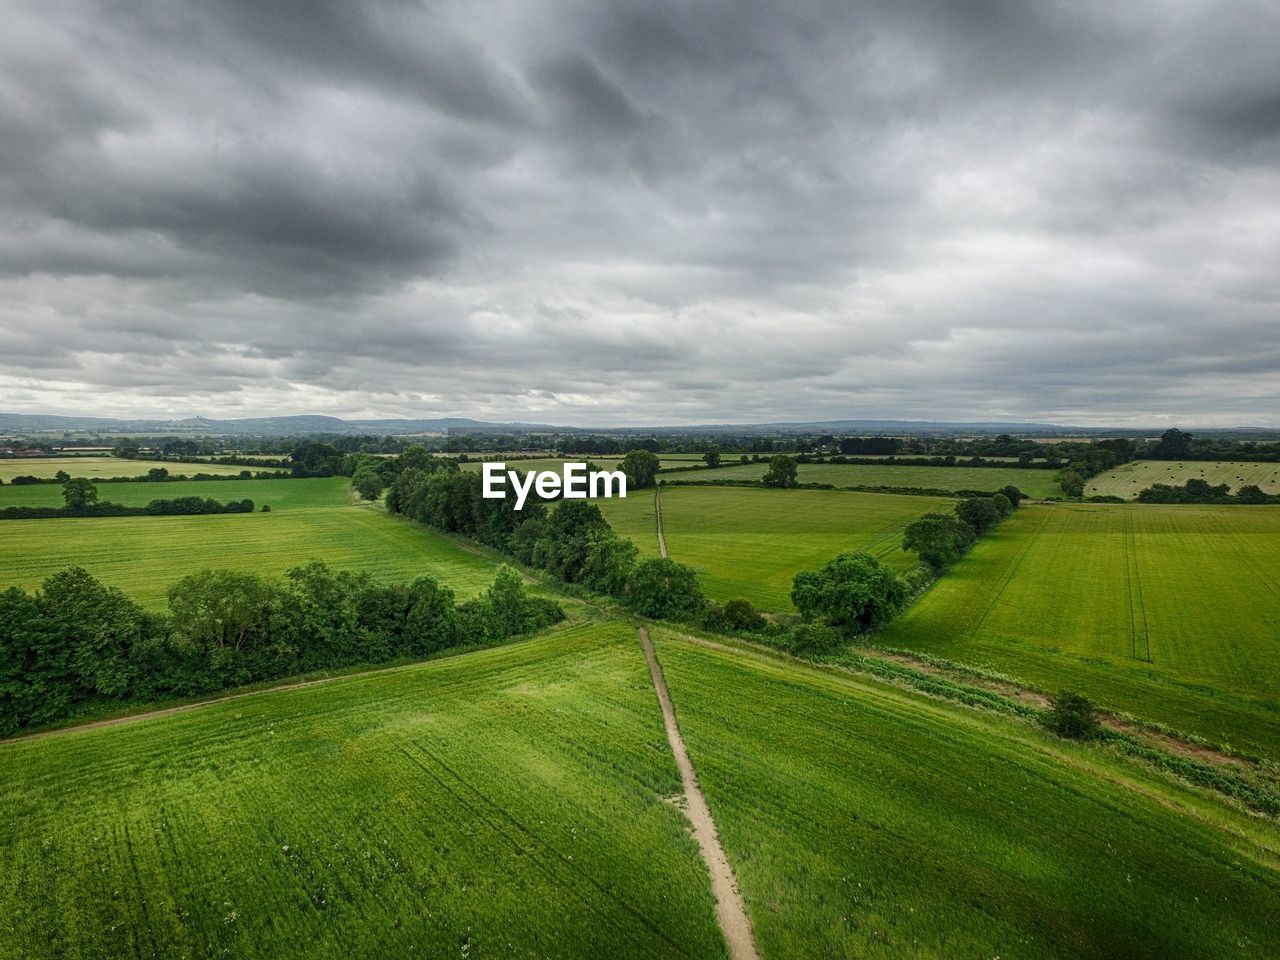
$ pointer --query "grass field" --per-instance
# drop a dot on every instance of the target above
(1171, 613)
(751, 543)
(1034, 483)
(867, 822)
(102, 467)
(1130, 479)
(505, 803)
(289, 494)
(632, 516)
(144, 555)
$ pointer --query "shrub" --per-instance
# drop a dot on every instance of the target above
(1072, 715)
(812, 639)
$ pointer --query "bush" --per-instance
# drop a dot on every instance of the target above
(736, 616)
(812, 639)
(1072, 715)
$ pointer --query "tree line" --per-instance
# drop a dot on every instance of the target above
(80, 497)
(1196, 490)
(570, 539)
(76, 642)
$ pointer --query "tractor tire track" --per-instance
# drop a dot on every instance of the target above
(731, 912)
(657, 512)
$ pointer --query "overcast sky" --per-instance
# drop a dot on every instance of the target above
(630, 212)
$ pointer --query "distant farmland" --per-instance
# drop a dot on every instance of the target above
(1034, 482)
(1131, 478)
(751, 543)
(106, 467)
(144, 555)
(1169, 612)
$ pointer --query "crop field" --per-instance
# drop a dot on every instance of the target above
(1131, 478)
(103, 467)
(505, 803)
(864, 821)
(287, 494)
(1034, 483)
(1171, 613)
(750, 543)
(633, 517)
(144, 555)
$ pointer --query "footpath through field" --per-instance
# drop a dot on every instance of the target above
(730, 910)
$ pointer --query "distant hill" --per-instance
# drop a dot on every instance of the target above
(28, 424)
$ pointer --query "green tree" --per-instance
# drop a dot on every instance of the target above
(782, 471)
(610, 560)
(98, 626)
(367, 482)
(79, 493)
(851, 593)
(981, 513)
(938, 539)
(712, 456)
(220, 609)
(1174, 444)
(641, 468)
(1015, 495)
(662, 588)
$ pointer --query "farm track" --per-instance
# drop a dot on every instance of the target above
(731, 912)
(1135, 593)
(973, 630)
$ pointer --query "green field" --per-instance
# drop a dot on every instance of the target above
(633, 517)
(751, 542)
(288, 494)
(144, 555)
(506, 803)
(102, 467)
(1171, 613)
(1034, 483)
(864, 821)
(1130, 479)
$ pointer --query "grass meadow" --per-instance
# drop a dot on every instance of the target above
(751, 542)
(288, 494)
(316, 521)
(864, 821)
(104, 467)
(1171, 613)
(1034, 483)
(503, 803)
(1131, 478)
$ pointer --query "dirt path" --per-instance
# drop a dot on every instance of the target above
(730, 911)
(657, 510)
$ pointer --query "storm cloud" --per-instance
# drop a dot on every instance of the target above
(642, 212)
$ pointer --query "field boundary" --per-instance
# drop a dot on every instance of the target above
(731, 912)
(657, 512)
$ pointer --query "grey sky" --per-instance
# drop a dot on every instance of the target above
(642, 212)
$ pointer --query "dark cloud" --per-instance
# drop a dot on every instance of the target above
(658, 211)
